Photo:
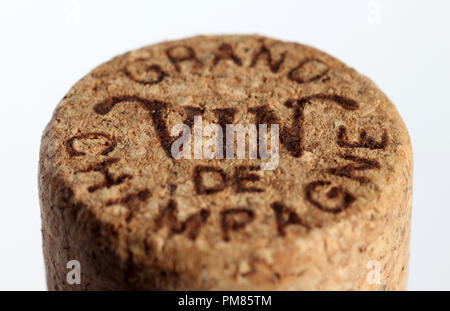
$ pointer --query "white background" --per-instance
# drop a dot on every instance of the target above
(46, 46)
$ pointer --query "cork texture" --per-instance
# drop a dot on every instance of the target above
(113, 197)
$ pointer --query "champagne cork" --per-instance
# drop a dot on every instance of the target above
(225, 163)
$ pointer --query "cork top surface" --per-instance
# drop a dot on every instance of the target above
(343, 153)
